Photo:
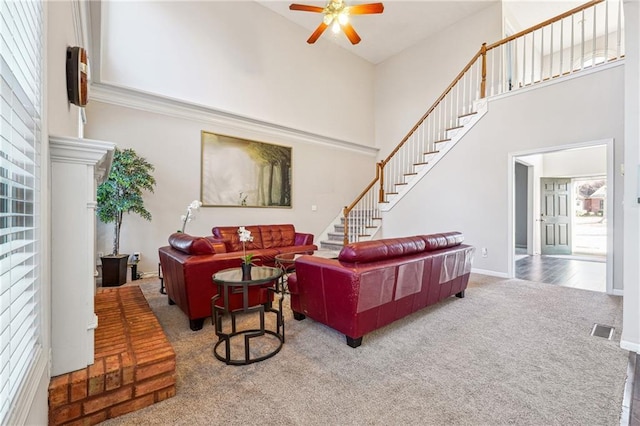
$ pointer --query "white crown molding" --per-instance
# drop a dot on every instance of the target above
(130, 98)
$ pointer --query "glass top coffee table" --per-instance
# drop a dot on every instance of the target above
(237, 340)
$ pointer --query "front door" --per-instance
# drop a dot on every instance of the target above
(555, 218)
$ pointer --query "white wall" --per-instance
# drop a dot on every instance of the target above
(631, 309)
(238, 57)
(409, 83)
(63, 117)
(323, 175)
(467, 190)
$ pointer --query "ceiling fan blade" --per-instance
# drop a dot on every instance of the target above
(351, 34)
(305, 8)
(365, 9)
(317, 33)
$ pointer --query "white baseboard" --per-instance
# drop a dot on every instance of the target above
(630, 346)
(491, 273)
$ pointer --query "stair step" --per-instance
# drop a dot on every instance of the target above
(431, 152)
(443, 140)
(335, 236)
(454, 128)
(421, 164)
(467, 114)
(331, 245)
(339, 229)
(410, 174)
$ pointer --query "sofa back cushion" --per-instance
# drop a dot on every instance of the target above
(189, 244)
(277, 236)
(442, 241)
(232, 240)
(389, 248)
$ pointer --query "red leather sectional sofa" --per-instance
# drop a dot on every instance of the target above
(188, 263)
(374, 283)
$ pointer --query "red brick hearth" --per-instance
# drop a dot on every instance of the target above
(134, 364)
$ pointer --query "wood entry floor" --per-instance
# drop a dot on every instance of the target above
(569, 271)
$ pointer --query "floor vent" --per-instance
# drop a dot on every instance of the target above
(600, 330)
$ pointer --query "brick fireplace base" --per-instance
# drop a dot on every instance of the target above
(134, 364)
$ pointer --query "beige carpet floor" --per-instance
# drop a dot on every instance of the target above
(510, 352)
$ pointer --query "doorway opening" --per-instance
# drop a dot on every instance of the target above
(560, 217)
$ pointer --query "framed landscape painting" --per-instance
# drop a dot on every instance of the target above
(243, 173)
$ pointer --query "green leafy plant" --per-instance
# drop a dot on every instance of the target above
(121, 193)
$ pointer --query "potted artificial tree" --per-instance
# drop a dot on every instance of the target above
(121, 193)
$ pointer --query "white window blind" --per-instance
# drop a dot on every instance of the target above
(21, 46)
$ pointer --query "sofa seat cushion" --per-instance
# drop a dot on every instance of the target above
(264, 256)
(231, 238)
(306, 249)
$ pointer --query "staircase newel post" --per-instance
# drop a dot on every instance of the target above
(380, 175)
(345, 213)
(483, 83)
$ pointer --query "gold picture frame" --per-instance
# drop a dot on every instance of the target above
(237, 172)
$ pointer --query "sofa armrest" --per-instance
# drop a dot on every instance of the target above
(324, 290)
(188, 280)
(302, 239)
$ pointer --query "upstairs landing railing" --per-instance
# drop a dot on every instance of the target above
(582, 38)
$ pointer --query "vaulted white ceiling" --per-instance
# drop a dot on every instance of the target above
(404, 23)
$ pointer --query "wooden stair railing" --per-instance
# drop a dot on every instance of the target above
(514, 62)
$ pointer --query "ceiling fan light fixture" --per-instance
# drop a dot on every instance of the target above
(336, 13)
(335, 28)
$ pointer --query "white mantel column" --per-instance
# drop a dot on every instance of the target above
(77, 166)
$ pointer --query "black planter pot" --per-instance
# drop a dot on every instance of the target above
(246, 271)
(114, 270)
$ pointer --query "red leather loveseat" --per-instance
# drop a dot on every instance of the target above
(188, 263)
(374, 283)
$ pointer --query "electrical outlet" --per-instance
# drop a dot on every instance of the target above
(485, 252)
